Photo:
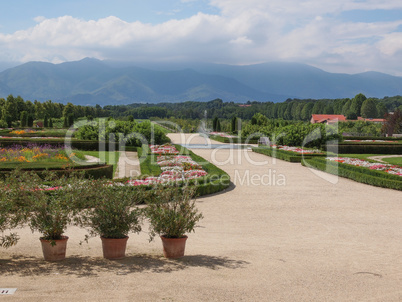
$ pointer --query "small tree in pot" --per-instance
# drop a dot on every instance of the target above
(45, 208)
(112, 215)
(172, 213)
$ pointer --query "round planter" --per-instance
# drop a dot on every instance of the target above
(56, 252)
(114, 248)
(173, 247)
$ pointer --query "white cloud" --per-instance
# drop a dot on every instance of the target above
(244, 32)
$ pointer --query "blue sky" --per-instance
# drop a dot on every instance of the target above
(347, 36)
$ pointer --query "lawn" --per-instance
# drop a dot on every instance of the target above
(111, 158)
(393, 160)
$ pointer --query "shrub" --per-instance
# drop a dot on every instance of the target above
(172, 212)
(110, 211)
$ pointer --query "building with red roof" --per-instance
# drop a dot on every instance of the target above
(327, 118)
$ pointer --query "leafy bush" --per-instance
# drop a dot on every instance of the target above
(293, 134)
(110, 211)
(128, 133)
(172, 212)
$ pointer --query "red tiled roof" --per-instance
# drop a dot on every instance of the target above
(319, 118)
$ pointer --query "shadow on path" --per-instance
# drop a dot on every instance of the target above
(92, 267)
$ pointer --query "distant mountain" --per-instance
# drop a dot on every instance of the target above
(90, 82)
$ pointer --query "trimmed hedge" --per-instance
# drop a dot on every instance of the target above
(364, 148)
(234, 140)
(359, 174)
(85, 145)
(372, 138)
(284, 155)
(96, 171)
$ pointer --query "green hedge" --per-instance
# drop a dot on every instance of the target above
(289, 156)
(95, 171)
(234, 140)
(359, 174)
(85, 145)
(364, 148)
(372, 138)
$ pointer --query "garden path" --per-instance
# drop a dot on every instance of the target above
(281, 233)
(379, 158)
(128, 165)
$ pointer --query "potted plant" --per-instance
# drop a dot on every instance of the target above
(172, 213)
(112, 216)
(46, 208)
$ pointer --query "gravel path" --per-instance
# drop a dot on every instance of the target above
(128, 165)
(379, 158)
(281, 233)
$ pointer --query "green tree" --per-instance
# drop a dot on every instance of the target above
(215, 123)
(357, 103)
(369, 109)
(233, 124)
(306, 111)
(329, 109)
(46, 121)
(30, 121)
(24, 119)
(346, 107)
(381, 110)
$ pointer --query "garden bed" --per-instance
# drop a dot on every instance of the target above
(228, 139)
(175, 164)
(375, 174)
(290, 154)
(47, 157)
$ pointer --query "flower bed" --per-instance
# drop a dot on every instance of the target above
(21, 132)
(33, 153)
(297, 149)
(370, 141)
(391, 169)
(163, 149)
(222, 134)
(174, 167)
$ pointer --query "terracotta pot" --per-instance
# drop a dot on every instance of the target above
(114, 248)
(173, 247)
(56, 252)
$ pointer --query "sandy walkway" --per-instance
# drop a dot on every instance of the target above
(128, 165)
(379, 158)
(281, 234)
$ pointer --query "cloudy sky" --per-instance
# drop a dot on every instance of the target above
(347, 36)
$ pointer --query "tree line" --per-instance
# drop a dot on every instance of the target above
(15, 110)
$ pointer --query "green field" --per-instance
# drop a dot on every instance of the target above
(111, 158)
(393, 160)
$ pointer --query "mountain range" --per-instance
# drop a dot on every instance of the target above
(91, 81)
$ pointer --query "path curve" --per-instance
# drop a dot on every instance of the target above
(379, 158)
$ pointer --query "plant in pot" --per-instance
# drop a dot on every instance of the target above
(10, 215)
(172, 213)
(112, 214)
(45, 208)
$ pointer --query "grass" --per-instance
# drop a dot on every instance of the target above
(111, 158)
(394, 160)
(164, 130)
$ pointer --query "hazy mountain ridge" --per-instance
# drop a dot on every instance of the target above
(90, 81)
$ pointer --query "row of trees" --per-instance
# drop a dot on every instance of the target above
(15, 109)
(291, 109)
